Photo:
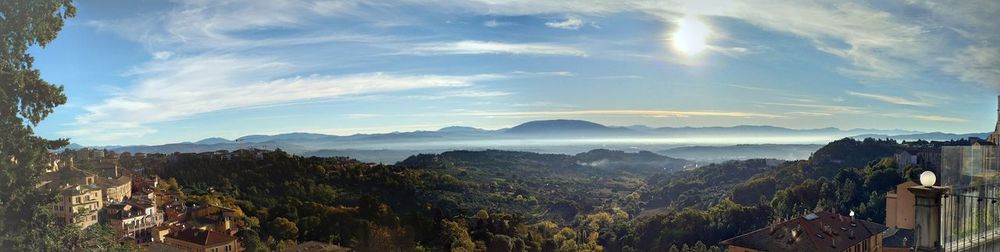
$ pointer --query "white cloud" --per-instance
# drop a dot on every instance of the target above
(493, 23)
(571, 23)
(162, 55)
(490, 47)
(889, 99)
(976, 64)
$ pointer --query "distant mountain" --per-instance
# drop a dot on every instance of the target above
(545, 136)
(562, 127)
(461, 129)
(214, 140)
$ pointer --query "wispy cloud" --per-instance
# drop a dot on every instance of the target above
(491, 47)
(889, 99)
(924, 117)
(570, 23)
(180, 88)
(824, 108)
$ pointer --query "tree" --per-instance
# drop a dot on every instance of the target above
(26, 217)
(283, 229)
(455, 236)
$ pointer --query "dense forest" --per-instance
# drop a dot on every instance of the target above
(493, 200)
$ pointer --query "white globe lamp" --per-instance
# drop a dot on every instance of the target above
(928, 178)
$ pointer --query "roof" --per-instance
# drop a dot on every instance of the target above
(826, 232)
(201, 237)
(894, 238)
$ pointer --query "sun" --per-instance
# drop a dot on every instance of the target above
(691, 36)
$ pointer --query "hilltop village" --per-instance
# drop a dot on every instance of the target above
(114, 189)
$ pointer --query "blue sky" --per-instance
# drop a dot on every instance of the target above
(152, 72)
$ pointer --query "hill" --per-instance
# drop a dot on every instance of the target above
(622, 201)
(743, 152)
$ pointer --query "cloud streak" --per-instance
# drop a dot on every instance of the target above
(492, 47)
(889, 99)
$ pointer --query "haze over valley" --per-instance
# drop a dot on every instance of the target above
(551, 136)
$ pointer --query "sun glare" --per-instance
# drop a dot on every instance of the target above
(691, 36)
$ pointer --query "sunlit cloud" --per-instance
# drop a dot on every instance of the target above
(491, 47)
(570, 23)
(939, 118)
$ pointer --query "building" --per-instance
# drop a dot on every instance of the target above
(995, 136)
(134, 219)
(197, 240)
(904, 159)
(214, 218)
(79, 204)
(115, 189)
(969, 166)
(899, 206)
(821, 231)
(898, 240)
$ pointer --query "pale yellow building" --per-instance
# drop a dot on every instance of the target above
(79, 204)
(115, 189)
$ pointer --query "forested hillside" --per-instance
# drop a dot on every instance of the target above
(522, 201)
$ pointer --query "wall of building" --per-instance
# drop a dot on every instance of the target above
(899, 211)
(74, 202)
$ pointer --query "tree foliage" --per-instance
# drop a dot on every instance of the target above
(26, 216)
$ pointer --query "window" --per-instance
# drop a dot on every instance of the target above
(229, 248)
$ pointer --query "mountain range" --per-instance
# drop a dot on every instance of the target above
(548, 136)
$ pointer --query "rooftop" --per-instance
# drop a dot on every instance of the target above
(201, 237)
(822, 231)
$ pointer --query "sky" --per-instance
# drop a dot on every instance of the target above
(154, 72)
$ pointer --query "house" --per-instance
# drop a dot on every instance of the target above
(821, 231)
(197, 240)
(215, 218)
(898, 240)
(135, 219)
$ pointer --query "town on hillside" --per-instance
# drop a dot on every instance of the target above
(99, 186)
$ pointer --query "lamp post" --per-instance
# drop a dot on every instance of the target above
(927, 211)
